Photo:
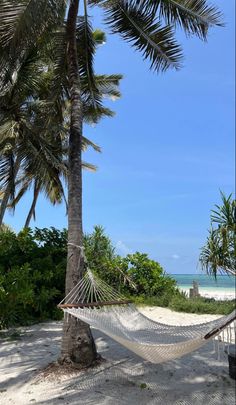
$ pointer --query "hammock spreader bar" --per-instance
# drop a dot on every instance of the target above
(216, 331)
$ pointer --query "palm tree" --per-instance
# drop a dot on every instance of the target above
(149, 25)
(134, 21)
(46, 181)
(35, 102)
(218, 254)
(24, 146)
(17, 134)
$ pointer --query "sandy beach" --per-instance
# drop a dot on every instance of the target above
(122, 379)
(217, 294)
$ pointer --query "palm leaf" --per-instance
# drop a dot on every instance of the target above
(24, 187)
(155, 42)
(93, 115)
(87, 142)
(89, 166)
(22, 25)
(193, 16)
(8, 173)
(86, 48)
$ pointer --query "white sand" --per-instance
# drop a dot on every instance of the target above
(124, 378)
(220, 295)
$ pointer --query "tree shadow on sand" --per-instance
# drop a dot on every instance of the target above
(124, 378)
(37, 346)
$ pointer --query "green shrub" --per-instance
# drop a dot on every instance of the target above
(148, 276)
(201, 305)
(135, 270)
(32, 276)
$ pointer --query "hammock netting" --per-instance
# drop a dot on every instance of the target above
(98, 304)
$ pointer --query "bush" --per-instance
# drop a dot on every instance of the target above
(32, 275)
(136, 275)
(148, 276)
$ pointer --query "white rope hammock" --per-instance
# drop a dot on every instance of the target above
(98, 304)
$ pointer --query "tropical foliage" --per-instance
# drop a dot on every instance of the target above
(148, 25)
(32, 275)
(33, 267)
(34, 125)
(219, 253)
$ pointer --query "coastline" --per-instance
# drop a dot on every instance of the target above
(219, 294)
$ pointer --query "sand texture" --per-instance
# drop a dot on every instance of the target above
(219, 295)
(124, 378)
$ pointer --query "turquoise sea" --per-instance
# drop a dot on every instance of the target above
(205, 282)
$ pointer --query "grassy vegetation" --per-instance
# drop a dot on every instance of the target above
(181, 303)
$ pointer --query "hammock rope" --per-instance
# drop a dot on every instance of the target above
(102, 307)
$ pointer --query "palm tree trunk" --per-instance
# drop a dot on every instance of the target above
(33, 205)
(7, 192)
(78, 348)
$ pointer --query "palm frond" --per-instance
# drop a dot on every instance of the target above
(89, 166)
(56, 60)
(87, 142)
(27, 82)
(24, 187)
(193, 16)
(93, 115)
(8, 173)
(8, 130)
(156, 43)
(108, 85)
(86, 48)
(22, 25)
(24, 20)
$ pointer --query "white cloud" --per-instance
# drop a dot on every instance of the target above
(175, 256)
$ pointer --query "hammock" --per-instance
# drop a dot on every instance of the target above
(98, 304)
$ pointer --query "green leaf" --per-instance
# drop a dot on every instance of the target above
(156, 43)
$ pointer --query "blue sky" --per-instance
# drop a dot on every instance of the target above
(165, 155)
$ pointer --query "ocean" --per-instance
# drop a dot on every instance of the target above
(205, 282)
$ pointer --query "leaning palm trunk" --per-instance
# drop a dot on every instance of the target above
(8, 191)
(33, 205)
(78, 347)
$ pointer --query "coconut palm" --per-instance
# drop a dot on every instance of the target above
(46, 181)
(43, 177)
(135, 22)
(149, 25)
(24, 144)
(19, 108)
(218, 254)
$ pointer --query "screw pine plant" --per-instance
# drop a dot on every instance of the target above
(219, 253)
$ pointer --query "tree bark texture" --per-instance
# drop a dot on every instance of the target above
(78, 348)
